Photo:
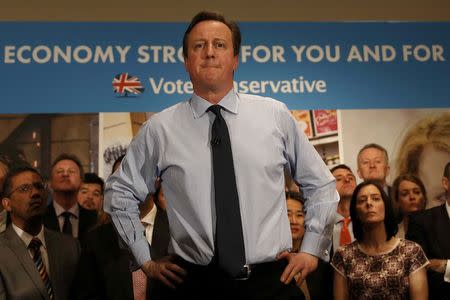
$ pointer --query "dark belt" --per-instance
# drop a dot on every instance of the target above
(246, 272)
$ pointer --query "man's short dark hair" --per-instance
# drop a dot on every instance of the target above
(94, 179)
(7, 186)
(213, 16)
(341, 166)
(447, 171)
(390, 220)
(72, 157)
(375, 146)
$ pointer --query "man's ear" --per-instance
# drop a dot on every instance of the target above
(235, 63)
(445, 183)
(359, 174)
(6, 202)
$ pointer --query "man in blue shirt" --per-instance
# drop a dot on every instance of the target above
(265, 141)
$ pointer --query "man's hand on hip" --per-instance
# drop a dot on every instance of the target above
(164, 270)
(299, 264)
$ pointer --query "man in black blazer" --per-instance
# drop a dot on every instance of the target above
(35, 263)
(104, 270)
(64, 213)
(431, 229)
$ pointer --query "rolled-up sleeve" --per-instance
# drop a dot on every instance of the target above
(317, 184)
(129, 186)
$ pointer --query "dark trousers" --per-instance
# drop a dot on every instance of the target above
(209, 282)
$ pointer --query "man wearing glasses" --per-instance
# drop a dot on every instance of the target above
(64, 213)
(35, 263)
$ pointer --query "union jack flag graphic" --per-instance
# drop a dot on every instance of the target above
(125, 83)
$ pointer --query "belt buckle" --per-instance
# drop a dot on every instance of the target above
(245, 273)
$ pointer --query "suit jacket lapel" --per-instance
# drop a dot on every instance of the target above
(19, 249)
(442, 228)
(50, 219)
(53, 259)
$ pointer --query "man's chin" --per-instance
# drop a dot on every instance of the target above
(66, 190)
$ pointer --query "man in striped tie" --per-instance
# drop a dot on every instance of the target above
(35, 263)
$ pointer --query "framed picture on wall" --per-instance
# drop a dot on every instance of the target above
(303, 118)
(325, 122)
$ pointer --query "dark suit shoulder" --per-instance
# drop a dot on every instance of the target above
(62, 239)
(90, 214)
(424, 216)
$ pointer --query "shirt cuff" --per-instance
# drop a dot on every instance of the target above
(140, 251)
(447, 272)
(317, 245)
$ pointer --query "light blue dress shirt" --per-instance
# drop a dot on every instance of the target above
(265, 140)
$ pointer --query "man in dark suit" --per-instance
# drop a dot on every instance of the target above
(431, 229)
(64, 213)
(35, 263)
(104, 270)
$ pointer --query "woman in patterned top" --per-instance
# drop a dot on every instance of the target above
(378, 265)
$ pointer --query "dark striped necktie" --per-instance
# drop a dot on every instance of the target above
(67, 225)
(34, 247)
(229, 242)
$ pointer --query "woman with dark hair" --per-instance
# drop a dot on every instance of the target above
(378, 265)
(409, 195)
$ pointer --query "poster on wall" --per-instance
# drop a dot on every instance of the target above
(303, 118)
(73, 67)
(325, 122)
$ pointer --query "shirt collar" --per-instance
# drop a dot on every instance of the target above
(230, 102)
(339, 218)
(26, 237)
(74, 210)
(150, 217)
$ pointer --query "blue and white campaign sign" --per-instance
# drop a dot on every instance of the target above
(129, 67)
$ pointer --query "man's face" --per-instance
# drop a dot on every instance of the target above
(431, 162)
(345, 182)
(210, 60)
(372, 165)
(3, 172)
(90, 196)
(27, 199)
(65, 176)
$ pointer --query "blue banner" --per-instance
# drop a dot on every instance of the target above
(130, 67)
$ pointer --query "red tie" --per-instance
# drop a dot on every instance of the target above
(139, 285)
(345, 237)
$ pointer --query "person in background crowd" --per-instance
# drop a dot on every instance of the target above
(317, 285)
(373, 164)
(199, 148)
(3, 213)
(423, 151)
(64, 213)
(378, 265)
(430, 229)
(409, 195)
(104, 270)
(10, 157)
(35, 263)
(90, 194)
(345, 185)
